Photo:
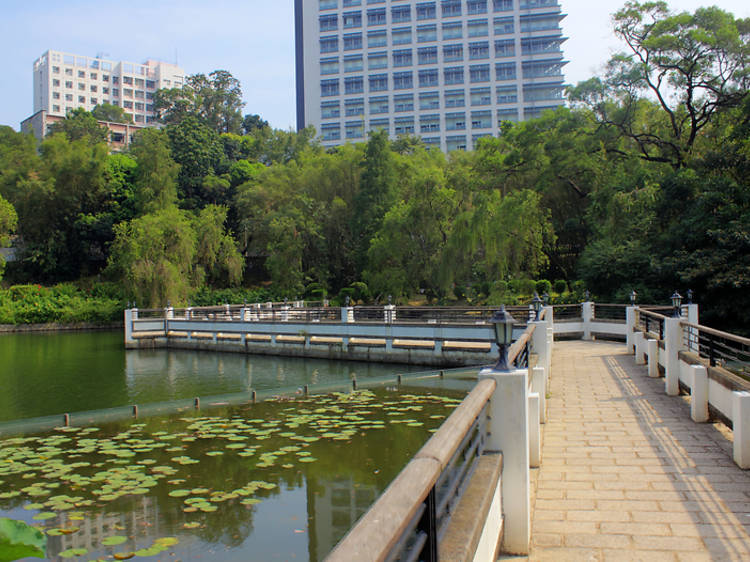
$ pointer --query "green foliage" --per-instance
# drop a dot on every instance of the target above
(64, 303)
(8, 222)
(111, 113)
(156, 172)
(560, 286)
(19, 540)
(543, 286)
(80, 124)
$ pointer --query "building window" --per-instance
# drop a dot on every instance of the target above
(127, 104)
(355, 129)
(93, 88)
(426, 33)
(377, 124)
(379, 105)
(452, 31)
(81, 74)
(329, 4)
(429, 100)
(479, 73)
(352, 41)
(105, 78)
(139, 106)
(127, 80)
(453, 53)
(426, 11)
(403, 103)
(330, 131)
(481, 96)
(455, 98)
(504, 26)
(505, 70)
(506, 115)
(454, 75)
(55, 82)
(540, 45)
(542, 92)
(68, 97)
(479, 50)
(138, 118)
(377, 39)
(105, 90)
(55, 95)
(355, 107)
(455, 143)
(403, 80)
(352, 19)
(56, 108)
(329, 66)
(354, 85)
(404, 126)
(476, 6)
(455, 121)
(401, 36)
(68, 72)
(150, 84)
(505, 48)
(329, 22)
(330, 110)
(428, 78)
(502, 5)
(481, 119)
(116, 80)
(329, 88)
(535, 23)
(478, 28)
(81, 86)
(429, 123)
(69, 84)
(376, 16)
(353, 63)
(427, 55)
(400, 14)
(56, 69)
(348, 3)
(116, 92)
(542, 69)
(402, 57)
(329, 44)
(127, 92)
(530, 4)
(377, 60)
(451, 8)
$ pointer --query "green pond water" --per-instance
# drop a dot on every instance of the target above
(283, 479)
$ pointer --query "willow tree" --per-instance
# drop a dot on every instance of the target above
(8, 222)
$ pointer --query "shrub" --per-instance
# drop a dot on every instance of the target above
(522, 286)
(560, 286)
(543, 286)
(361, 291)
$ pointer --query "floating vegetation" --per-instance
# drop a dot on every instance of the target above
(197, 470)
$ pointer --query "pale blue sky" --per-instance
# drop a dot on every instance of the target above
(252, 39)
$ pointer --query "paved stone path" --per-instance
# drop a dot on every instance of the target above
(626, 474)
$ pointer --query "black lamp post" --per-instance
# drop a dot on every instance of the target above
(586, 296)
(536, 302)
(503, 325)
(633, 297)
(346, 301)
(545, 298)
(677, 304)
(690, 295)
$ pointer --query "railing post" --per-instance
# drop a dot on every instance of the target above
(347, 315)
(672, 347)
(509, 434)
(652, 347)
(699, 393)
(129, 325)
(389, 313)
(535, 442)
(630, 328)
(640, 343)
(587, 314)
(741, 428)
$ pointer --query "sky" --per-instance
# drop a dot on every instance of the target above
(252, 39)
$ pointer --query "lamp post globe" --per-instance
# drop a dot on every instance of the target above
(502, 324)
(536, 302)
(633, 297)
(677, 304)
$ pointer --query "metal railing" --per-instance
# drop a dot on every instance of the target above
(610, 312)
(410, 517)
(568, 312)
(650, 322)
(720, 348)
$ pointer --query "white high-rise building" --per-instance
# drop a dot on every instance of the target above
(450, 71)
(64, 81)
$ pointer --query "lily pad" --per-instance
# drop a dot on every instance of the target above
(114, 541)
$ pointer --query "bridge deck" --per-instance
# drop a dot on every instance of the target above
(626, 474)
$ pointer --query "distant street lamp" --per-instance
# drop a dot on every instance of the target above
(677, 304)
(503, 326)
(536, 302)
(690, 295)
(587, 295)
(633, 297)
(545, 298)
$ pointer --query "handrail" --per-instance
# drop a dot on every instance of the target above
(392, 515)
(518, 346)
(718, 333)
(651, 314)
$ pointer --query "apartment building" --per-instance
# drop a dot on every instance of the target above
(64, 81)
(450, 71)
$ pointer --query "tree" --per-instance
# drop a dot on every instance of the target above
(691, 65)
(253, 122)
(377, 193)
(80, 124)
(216, 251)
(8, 222)
(156, 172)
(111, 113)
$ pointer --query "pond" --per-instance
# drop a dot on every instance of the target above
(283, 479)
(45, 374)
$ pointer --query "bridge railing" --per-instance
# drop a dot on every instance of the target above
(712, 366)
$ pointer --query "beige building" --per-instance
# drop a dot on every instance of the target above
(64, 81)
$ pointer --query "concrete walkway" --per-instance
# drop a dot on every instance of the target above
(626, 474)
